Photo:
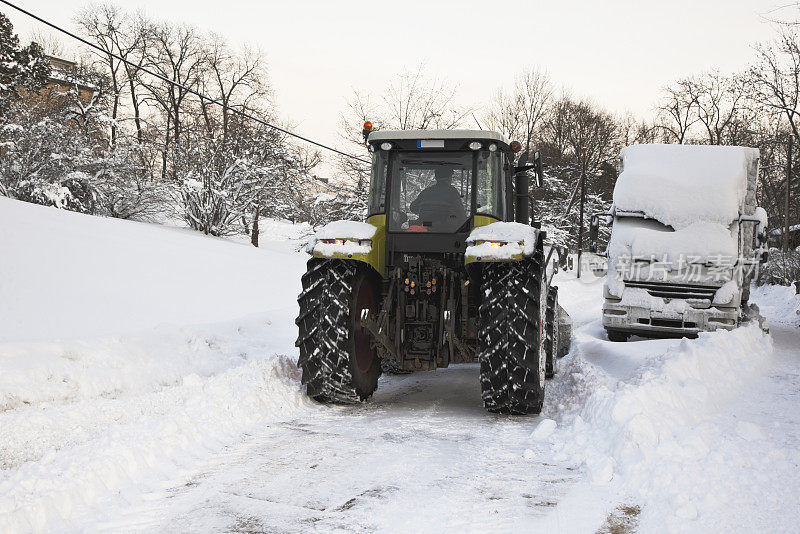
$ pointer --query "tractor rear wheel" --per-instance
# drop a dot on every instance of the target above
(510, 336)
(338, 361)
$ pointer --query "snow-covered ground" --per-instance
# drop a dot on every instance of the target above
(147, 383)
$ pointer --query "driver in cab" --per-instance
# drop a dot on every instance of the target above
(440, 203)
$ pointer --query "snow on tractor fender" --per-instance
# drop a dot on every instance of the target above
(501, 241)
(351, 240)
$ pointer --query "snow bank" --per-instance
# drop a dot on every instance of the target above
(641, 415)
(108, 383)
(66, 275)
(683, 184)
(778, 304)
(168, 431)
(518, 238)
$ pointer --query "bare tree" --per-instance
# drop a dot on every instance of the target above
(416, 102)
(776, 77)
(519, 114)
(235, 79)
(177, 54)
(632, 131)
(719, 103)
(677, 112)
(101, 24)
(580, 130)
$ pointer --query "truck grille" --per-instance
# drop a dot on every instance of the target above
(674, 291)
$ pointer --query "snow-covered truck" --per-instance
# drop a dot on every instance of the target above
(686, 240)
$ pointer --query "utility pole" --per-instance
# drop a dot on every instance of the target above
(788, 193)
(583, 200)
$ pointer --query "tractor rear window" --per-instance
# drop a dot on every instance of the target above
(430, 192)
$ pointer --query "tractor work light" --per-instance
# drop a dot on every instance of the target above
(333, 241)
(475, 145)
(493, 148)
(516, 146)
(386, 146)
(493, 244)
(367, 130)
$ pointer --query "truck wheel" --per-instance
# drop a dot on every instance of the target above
(617, 336)
(337, 359)
(551, 332)
(509, 338)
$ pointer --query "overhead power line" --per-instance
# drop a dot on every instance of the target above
(180, 85)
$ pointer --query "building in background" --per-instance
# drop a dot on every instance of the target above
(65, 77)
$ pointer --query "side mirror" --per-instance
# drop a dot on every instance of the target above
(762, 237)
(594, 230)
(523, 166)
(764, 256)
(537, 168)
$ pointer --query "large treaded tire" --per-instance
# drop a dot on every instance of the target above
(510, 334)
(551, 332)
(329, 333)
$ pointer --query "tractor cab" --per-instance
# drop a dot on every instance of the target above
(431, 188)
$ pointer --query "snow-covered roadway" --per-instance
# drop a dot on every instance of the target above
(137, 422)
(423, 455)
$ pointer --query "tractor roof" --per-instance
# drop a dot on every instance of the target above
(390, 135)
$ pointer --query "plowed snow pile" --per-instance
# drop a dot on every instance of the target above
(658, 423)
(108, 384)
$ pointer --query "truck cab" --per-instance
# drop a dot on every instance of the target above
(686, 240)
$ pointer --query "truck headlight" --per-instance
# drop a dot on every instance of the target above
(365, 242)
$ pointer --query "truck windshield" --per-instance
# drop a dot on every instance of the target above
(430, 191)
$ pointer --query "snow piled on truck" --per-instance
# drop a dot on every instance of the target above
(636, 238)
(110, 381)
(682, 184)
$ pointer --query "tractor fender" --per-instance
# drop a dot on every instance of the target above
(502, 242)
(352, 240)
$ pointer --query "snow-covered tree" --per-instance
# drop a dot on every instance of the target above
(22, 69)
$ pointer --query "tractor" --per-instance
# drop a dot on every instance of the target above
(447, 269)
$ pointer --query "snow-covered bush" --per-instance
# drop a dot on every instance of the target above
(125, 188)
(229, 178)
(781, 268)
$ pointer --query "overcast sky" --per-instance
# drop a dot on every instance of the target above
(617, 52)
